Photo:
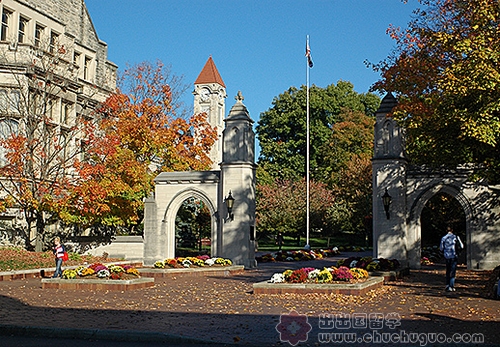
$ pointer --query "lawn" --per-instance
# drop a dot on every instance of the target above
(290, 243)
(13, 258)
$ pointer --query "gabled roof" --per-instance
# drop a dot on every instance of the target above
(209, 74)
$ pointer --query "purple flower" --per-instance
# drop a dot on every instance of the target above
(100, 267)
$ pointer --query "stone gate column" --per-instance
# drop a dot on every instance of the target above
(237, 239)
(389, 164)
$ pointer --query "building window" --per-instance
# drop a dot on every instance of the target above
(9, 101)
(6, 19)
(86, 68)
(76, 59)
(51, 105)
(23, 26)
(65, 146)
(65, 113)
(8, 127)
(4, 101)
(15, 95)
(38, 35)
(54, 38)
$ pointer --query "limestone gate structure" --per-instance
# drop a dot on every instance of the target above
(233, 230)
(397, 227)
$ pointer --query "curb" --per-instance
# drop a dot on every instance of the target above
(101, 334)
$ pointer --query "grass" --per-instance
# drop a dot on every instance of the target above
(290, 243)
(14, 258)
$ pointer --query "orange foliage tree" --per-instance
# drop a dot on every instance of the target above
(133, 137)
(445, 71)
(39, 140)
(281, 207)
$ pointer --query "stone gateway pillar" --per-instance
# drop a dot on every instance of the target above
(389, 173)
(237, 240)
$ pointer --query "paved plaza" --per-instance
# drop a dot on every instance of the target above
(224, 311)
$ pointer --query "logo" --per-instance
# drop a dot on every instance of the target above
(293, 328)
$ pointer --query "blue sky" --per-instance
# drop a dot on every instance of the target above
(258, 46)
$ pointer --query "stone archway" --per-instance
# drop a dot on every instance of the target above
(397, 233)
(415, 212)
(233, 235)
(177, 201)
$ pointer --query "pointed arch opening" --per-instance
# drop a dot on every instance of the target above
(436, 208)
(192, 219)
(440, 212)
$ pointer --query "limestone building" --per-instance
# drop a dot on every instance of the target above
(54, 70)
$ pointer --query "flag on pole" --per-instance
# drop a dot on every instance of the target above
(308, 55)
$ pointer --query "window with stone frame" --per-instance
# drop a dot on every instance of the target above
(65, 114)
(6, 22)
(39, 29)
(9, 101)
(76, 59)
(51, 110)
(87, 72)
(23, 27)
(8, 127)
(54, 42)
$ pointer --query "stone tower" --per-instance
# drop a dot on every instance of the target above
(209, 97)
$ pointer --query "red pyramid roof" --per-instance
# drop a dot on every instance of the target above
(209, 74)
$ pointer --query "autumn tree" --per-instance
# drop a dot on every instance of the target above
(346, 158)
(445, 71)
(40, 113)
(137, 135)
(281, 207)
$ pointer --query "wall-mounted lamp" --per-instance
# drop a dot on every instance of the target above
(229, 204)
(387, 200)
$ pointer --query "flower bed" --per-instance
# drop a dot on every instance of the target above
(16, 258)
(100, 271)
(299, 255)
(370, 264)
(191, 262)
(330, 280)
(389, 269)
(325, 275)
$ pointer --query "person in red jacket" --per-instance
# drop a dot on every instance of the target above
(59, 254)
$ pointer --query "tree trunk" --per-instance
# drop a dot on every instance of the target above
(27, 232)
(40, 227)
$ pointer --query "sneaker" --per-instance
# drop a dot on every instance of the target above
(448, 289)
(453, 289)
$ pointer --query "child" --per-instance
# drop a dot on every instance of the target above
(59, 254)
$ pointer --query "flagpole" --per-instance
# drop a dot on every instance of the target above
(307, 145)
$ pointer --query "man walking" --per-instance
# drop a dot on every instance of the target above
(448, 245)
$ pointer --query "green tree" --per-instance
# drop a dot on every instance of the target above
(282, 129)
(341, 146)
(350, 137)
(192, 223)
(445, 70)
(348, 171)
